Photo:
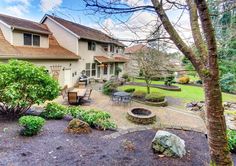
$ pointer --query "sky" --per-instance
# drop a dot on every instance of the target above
(137, 26)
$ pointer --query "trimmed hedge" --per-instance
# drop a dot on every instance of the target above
(184, 80)
(31, 125)
(129, 90)
(154, 97)
(139, 94)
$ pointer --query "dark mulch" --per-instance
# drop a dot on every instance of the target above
(165, 87)
(55, 147)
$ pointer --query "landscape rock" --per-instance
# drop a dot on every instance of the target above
(168, 144)
(76, 126)
(195, 106)
(229, 105)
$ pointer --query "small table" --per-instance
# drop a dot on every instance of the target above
(121, 96)
(80, 92)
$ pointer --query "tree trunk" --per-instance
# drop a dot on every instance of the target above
(148, 89)
(215, 121)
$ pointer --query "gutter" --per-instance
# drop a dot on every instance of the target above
(31, 30)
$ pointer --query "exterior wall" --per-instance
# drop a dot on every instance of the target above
(63, 37)
(70, 64)
(87, 56)
(65, 64)
(7, 33)
(18, 39)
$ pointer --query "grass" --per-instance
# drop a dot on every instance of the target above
(187, 93)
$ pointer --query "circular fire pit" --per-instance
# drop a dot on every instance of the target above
(141, 116)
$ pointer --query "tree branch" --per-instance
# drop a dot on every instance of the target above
(182, 46)
(197, 36)
(209, 35)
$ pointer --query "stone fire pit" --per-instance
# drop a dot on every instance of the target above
(141, 116)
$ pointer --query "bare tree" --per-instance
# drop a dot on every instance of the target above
(204, 59)
(151, 63)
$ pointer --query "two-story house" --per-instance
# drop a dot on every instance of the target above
(100, 54)
(63, 47)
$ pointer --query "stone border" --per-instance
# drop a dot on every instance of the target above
(157, 104)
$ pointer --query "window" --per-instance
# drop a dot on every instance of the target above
(112, 48)
(105, 69)
(30, 39)
(93, 69)
(90, 69)
(27, 39)
(105, 47)
(112, 68)
(36, 40)
(91, 46)
(87, 69)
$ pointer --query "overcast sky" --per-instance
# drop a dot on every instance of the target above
(35, 9)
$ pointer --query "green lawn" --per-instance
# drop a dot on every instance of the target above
(187, 93)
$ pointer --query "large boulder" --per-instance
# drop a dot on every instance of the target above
(77, 126)
(168, 144)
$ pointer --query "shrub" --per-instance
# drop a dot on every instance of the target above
(231, 135)
(31, 125)
(110, 87)
(125, 76)
(184, 80)
(129, 90)
(154, 97)
(23, 84)
(169, 80)
(97, 118)
(139, 94)
(74, 111)
(199, 82)
(54, 111)
(228, 83)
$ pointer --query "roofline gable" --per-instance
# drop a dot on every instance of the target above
(47, 17)
(8, 26)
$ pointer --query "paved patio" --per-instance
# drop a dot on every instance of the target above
(166, 116)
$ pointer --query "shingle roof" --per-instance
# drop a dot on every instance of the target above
(85, 32)
(106, 59)
(135, 49)
(53, 52)
(22, 24)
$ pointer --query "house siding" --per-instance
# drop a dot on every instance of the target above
(64, 38)
(7, 33)
(18, 39)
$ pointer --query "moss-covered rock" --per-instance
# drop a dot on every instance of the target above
(77, 126)
(168, 144)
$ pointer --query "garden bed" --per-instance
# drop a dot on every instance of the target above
(55, 147)
(164, 87)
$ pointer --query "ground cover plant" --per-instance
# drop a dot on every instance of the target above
(54, 111)
(231, 135)
(31, 125)
(23, 84)
(96, 118)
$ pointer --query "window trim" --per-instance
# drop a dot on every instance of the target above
(32, 39)
(90, 48)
